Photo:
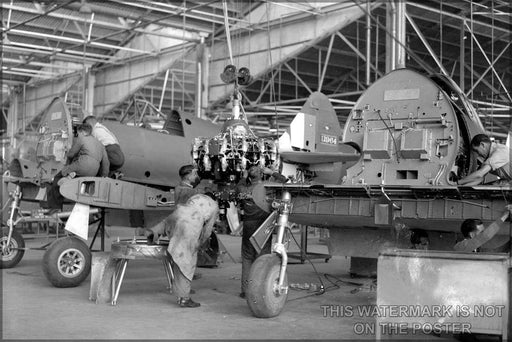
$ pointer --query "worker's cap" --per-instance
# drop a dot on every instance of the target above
(185, 170)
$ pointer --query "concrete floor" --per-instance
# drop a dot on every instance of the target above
(34, 309)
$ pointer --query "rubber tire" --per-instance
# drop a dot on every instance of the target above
(262, 300)
(15, 256)
(79, 254)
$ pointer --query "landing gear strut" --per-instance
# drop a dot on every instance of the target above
(12, 242)
(268, 284)
(67, 260)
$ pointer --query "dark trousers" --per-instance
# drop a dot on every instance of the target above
(115, 156)
(54, 198)
(249, 253)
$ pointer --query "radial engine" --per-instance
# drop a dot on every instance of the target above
(236, 148)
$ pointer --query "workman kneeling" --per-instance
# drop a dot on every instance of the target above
(188, 227)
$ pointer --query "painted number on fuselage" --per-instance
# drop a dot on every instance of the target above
(328, 139)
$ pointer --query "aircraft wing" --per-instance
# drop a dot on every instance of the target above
(117, 194)
(299, 157)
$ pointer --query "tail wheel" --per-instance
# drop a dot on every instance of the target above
(67, 262)
(263, 296)
(12, 252)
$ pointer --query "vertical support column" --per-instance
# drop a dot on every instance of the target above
(199, 77)
(205, 75)
(12, 117)
(395, 24)
(172, 90)
(24, 111)
(400, 34)
(368, 42)
(89, 95)
(390, 39)
(461, 55)
(377, 25)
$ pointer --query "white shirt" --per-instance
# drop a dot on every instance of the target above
(102, 133)
(499, 161)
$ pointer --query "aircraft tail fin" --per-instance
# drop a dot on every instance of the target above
(315, 140)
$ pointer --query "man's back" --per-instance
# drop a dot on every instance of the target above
(183, 192)
(499, 160)
(104, 135)
(86, 146)
(252, 212)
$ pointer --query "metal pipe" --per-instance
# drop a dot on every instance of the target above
(163, 90)
(319, 67)
(496, 105)
(427, 45)
(471, 53)
(9, 16)
(90, 28)
(198, 90)
(115, 293)
(391, 36)
(28, 72)
(36, 49)
(45, 65)
(172, 90)
(175, 34)
(453, 69)
(205, 79)
(489, 85)
(63, 214)
(23, 115)
(326, 63)
(39, 14)
(453, 15)
(462, 54)
(359, 53)
(368, 41)
(13, 117)
(400, 28)
(488, 61)
(76, 40)
(298, 78)
(489, 68)
(91, 80)
(199, 77)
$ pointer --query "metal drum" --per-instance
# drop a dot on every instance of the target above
(139, 249)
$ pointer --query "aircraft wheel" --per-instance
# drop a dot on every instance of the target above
(67, 262)
(263, 298)
(11, 255)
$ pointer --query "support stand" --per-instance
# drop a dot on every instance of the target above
(303, 254)
(100, 229)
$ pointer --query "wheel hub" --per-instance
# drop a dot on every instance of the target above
(71, 263)
(279, 290)
(7, 249)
